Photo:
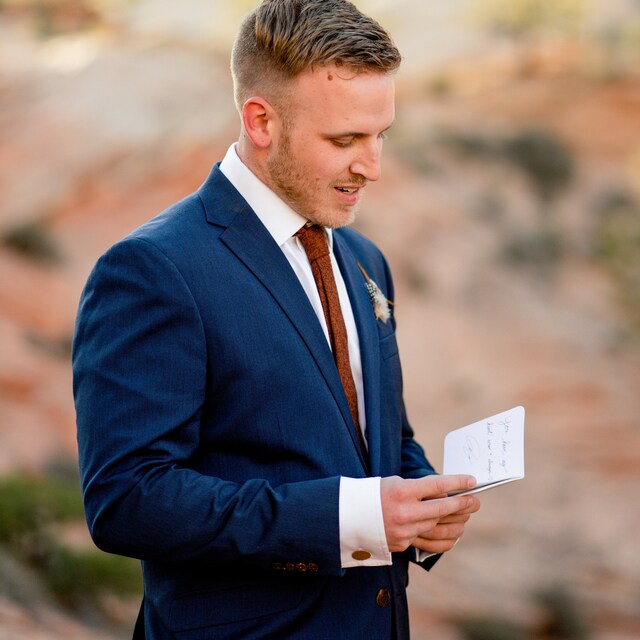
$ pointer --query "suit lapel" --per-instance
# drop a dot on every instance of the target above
(366, 324)
(252, 244)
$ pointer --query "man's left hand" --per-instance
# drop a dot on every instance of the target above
(447, 532)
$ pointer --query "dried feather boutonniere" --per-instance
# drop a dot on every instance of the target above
(381, 305)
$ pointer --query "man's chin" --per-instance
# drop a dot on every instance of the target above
(337, 220)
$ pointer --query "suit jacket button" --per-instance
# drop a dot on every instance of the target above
(301, 566)
(383, 598)
(361, 555)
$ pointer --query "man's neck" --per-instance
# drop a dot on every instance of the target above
(247, 154)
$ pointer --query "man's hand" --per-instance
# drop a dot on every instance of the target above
(418, 512)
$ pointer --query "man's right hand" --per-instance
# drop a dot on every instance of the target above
(419, 512)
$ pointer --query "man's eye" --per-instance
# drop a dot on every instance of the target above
(343, 144)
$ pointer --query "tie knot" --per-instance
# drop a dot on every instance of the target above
(314, 241)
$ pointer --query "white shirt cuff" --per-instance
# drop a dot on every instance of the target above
(363, 542)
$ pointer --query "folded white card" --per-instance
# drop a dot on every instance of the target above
(492, 450)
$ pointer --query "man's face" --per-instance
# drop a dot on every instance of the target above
(328, 145)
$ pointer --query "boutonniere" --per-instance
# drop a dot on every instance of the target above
(381, 305)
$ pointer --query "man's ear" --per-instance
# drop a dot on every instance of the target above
(259, 119)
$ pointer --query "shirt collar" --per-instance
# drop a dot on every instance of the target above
(277, 216)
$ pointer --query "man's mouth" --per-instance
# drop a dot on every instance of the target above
(348, 189)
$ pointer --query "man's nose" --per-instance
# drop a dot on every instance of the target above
(367, 163)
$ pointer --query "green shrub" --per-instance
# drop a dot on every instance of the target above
(34, 241)
(28, 504)
(76, 576)
(616, 243)
(525, 18)
(544, 159)
(440, 85)
(55, 347)
(563, 619)
(28, 508)
(470, 144)
(538, 153)
(541, 249)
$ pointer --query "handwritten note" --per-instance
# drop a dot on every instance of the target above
(492, 449)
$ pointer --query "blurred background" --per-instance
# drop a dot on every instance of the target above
(509, 210)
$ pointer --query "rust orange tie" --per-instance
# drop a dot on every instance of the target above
(316, 246)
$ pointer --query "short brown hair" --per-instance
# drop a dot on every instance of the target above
(282, 38)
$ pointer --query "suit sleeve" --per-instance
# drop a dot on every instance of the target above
(140, 366)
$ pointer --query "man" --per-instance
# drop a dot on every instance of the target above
(238, 387)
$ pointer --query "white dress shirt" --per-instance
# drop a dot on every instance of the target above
(360, 509)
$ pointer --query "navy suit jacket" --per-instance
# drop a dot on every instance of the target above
(213, 428)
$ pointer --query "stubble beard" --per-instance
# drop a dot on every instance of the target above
(295, 188)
